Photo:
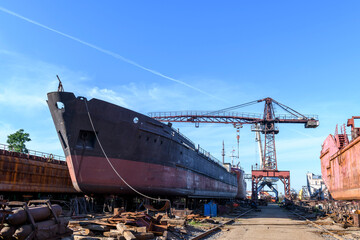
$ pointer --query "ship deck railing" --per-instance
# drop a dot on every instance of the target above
(199, 149)
(184, 137)
(207, 154)
(47, 156)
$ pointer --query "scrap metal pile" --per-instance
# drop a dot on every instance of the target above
(345, 212)
(183, 224)
(339, 219)
(341, 211)
(32, 222)
(125, 225)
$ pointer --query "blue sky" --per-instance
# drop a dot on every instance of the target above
(304, 54)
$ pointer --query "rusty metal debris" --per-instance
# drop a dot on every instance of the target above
(127, 225)
(182, 224)
(33, 222)
(344, 212)
(340, 219)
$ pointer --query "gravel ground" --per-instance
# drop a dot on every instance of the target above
(272, 222)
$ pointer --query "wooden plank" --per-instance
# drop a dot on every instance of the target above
(121, 228)
(144, 236)
(128, 235)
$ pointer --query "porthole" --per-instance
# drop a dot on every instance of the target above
(60, 105)
(147, 138)
(136, 120)
(154, 140)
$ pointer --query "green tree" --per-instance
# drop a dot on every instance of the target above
(17, 141)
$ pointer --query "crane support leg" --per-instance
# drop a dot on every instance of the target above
(286, 181)
(254, 190)
(258, 175)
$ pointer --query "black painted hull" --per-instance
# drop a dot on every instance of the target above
(149, 155)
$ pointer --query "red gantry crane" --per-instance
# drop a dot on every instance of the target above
(266, 123)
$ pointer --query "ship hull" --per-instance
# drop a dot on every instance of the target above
(150, 156)
(149, 178)
(341, 169)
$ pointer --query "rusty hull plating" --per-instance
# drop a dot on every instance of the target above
(29, 173)
(151, 156)
(340, 163)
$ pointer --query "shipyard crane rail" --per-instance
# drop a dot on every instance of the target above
(265, 123)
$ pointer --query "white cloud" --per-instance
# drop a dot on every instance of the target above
(107, 95)
(20, 98)
(25, 83)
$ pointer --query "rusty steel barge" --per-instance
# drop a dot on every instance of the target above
(340, 163)
(151, 156)
(32, 172)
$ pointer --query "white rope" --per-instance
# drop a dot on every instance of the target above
(112, 166)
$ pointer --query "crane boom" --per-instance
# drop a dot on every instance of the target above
(310, 121)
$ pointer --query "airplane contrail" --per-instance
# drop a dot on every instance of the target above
(115, 55)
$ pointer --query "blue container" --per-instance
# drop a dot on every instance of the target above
(213, 210)
(210, 209)
(207, 209)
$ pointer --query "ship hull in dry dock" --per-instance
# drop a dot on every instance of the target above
(151, 156)
(340, 166)
(149, 179)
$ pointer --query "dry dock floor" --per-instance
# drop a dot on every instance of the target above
(272, 223)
